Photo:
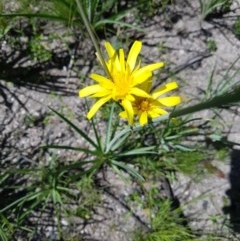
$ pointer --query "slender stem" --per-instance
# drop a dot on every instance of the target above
(216, 102)
(92, 36)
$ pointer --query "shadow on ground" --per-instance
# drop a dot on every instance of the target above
(37, 76)
(234, 192)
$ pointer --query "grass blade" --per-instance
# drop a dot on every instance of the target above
(128, 169)
(80, 132)
(99, 144)
(109, 127)
(85, 150)
(139, 151)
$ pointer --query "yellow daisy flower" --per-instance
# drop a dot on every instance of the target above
(122, 84)
(145, 107)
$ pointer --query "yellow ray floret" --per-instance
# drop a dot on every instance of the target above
(153, 106)
(123, 83)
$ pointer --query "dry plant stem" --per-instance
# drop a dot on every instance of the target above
(92, 36)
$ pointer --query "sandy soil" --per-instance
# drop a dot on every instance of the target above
(28, 88)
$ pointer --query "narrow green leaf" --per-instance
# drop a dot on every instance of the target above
(128, 169)
(119, 135)
(21, 200)
(80, 132)
(119, 142)
(139, 151)
(183, 133)
(184, 148)
(92, 170)
(35, 15)
(98, 138)
(80, 149)
(121, 23)
(109, 127)
(56, 197)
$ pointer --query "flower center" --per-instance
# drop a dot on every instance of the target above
(122, 83)
(144, 105)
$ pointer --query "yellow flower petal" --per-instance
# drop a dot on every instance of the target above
(96, 106)
(130, 97)
(139, 92)
(143, 119)
(102, 80)
(130, 85)
(170, 101)
(110, 50)
(133, 54)
(152, 67)
(141, 76)
(102, 93)
(129, 110)
(164, 89)
(156, 112)
(109, 64)
(122, 59)
(123, 114)
(116, 64)
(89, 90)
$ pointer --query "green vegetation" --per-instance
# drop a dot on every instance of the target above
(67, 182)
(212, 7)
(211, 45)
(166, 224)
(236, 28)
(38, 51)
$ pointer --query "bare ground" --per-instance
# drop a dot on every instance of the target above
(27, 89)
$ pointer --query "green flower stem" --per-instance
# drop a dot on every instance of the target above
(218, 101)
(92, 36)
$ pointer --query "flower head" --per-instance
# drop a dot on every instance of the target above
(145, 107)
(123, 83)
